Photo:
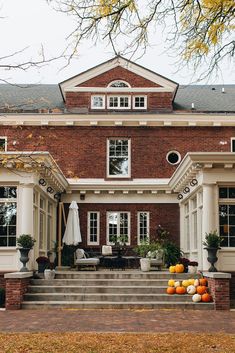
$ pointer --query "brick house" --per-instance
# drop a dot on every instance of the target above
(133, 148)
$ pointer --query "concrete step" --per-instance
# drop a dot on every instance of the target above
(97, 289)
(118, 305)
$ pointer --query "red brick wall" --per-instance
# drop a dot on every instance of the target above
(158, 101)
(165, 214)
(78, 149)
(119, 73)
(15, 289)
(219, 289)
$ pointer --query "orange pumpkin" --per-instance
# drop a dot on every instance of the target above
(180, 290)
(172, 269)
(203, 281)
(206, 297)
(170, 290)
(179, 268)
(201, 289)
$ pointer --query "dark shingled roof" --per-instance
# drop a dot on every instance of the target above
(207, 98)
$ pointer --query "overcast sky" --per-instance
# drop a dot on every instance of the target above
(30, 23)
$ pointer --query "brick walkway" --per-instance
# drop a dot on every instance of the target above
(117, 321)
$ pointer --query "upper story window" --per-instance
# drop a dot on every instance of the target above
(119, 102)
(140, 102)
(118, 164)
(119, 83)
(3, 143)
(98, 102)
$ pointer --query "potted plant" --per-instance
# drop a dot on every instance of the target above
(25, 243)
(43, 263)
(143, 251)
(212, 245)
(192, 266)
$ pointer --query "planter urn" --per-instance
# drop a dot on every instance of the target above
(145, 264)
(24, 258)
(212, 258)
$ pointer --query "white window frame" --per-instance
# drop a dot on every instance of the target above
(138, 226)
(128, 175)
(126, 83)
(231, 143)
(119, 97)
(89, 242)
(92, 102)
(7, 201)
(118, 226)
(145, 102)
(226, 201)
(4, 138)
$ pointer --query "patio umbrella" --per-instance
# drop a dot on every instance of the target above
(72, 234)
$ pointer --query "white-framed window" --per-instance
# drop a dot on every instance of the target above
(118, 225)
(227, 216)
(140, 102)
(143, 227)
(119, 83)
(8, 215)
(173, 157)
(119, 102)
(118, 158)
(98, 102)
(3, 143)
(93, 228)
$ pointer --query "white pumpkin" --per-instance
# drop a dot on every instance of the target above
(196, 298)
(177, 284)
(196, 282)
(191, 289)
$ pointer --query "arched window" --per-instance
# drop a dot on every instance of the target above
(118, 84)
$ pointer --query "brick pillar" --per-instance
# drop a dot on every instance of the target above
(16, 286)
(218, 283)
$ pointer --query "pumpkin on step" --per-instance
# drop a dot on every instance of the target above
(206, 298)
(177, 283)
(201, 289)
(185, 283)
(179, 268)
(171, 283)
(172, 269)
(196, 298)
(191, 289)
(170, 290)
(180, 290)
(203, 281)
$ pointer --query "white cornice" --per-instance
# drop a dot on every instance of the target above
(190, 120)
(118, 90)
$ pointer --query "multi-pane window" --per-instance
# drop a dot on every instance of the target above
(49, 225)
(3, 144)
(119, 102)
(227, 216)
(118, 158)
(97, 102)
(8, 210)
(118, 227)
(118, 84)
(140, 102)
(143, 227)
(93, 228)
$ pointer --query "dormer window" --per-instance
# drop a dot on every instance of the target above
(119, 84)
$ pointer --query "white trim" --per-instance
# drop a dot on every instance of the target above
(128, 175)
(119, 98)
(118, 89)
(125, 82)
(138, 225)
(103, 101)
(231, 143)
(178, 154)
(145, 102)
(89, 242)
(4, 138)
(118, 225)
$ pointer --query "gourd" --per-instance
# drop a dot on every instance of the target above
(180, 290)
(191, 281)
(191, 289)
(170, 290)
(172, 269)
(179, 268)
(196, 298)
(203, 281)
(171, 283)
(177, 284)
(201, 289)
(196, 282)
(206, 297)
(185, 283)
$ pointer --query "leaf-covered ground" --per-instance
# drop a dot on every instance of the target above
(116, 343)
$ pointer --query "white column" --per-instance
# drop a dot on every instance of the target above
(208, 217)
(182, 230)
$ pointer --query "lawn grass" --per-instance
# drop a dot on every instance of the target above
(116, 343)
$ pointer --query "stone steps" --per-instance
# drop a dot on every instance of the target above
(108, 290)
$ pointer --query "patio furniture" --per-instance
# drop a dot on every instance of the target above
(82, 260)
(157, 260)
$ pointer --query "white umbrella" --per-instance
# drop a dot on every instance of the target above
(72, 234)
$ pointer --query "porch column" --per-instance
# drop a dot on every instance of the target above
(208, 218)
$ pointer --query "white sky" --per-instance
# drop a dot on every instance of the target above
(30, 23)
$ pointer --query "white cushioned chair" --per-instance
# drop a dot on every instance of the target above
(83, 260)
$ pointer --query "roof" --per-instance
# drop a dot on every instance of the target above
(206, 98)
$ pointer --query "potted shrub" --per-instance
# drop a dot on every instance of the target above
(192, 266)
(43, 263)
(142, 250)
(212, 245)
(25, 243)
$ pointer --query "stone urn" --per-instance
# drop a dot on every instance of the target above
(24, 258)
(49, 274)
(212, 258)
(145, 264)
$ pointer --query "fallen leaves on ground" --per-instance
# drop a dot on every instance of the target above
(116, 343)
